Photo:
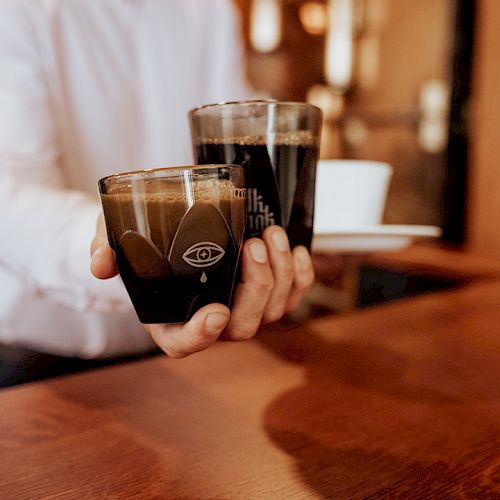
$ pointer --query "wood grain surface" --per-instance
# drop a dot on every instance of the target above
(396, 401)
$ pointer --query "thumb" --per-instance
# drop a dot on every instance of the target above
(102, 263)
(201, 331)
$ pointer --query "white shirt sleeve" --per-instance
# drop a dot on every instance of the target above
(226, 54)
(46, 229)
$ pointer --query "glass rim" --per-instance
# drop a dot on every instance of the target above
(152, 172)
(255, 102)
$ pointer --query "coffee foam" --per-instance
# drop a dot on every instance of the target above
(299, 138)
(208, 190)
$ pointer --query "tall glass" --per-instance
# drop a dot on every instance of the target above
(177, 233)
(278, 145)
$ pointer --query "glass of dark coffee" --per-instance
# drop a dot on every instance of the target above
(278, 145)
(177, 234)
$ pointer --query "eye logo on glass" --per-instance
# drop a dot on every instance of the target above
(203, 254)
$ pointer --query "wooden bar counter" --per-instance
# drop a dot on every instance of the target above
(400, 400)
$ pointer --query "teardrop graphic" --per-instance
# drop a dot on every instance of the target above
(203, 255)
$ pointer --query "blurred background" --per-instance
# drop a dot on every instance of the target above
(409, 83)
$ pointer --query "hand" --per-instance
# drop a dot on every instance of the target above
(274, 280)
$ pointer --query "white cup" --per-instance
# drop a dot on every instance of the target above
(350, 194)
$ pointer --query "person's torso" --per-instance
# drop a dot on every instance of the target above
(122, 76)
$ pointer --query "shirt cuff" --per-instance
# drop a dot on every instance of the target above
(99, 295)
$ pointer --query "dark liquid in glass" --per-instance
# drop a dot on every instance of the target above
(174, 258)
(280, 180)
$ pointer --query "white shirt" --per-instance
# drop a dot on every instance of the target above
(89, 88)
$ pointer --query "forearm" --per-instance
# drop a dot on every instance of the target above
(46, 240)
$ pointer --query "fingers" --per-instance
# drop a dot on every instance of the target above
(304, 277)
(282, 266)
(201, 331)
(103, 263)
(253, 293)
(274, 281)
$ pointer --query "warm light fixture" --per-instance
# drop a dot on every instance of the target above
(314, 17)
(265, 25)
(331, 102)
(368, 62)
(339, 41)
(434, 109)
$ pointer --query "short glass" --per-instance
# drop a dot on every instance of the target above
(177, 234)
(278, 145)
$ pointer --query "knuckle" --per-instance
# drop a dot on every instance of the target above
(174, 353)
(285, 266)
(243, 330)
(242, 333)
(263, 285)
(201, 342)
(302, 289)
(273, 315)
(245, 334)
(305, 280)
(296, 297)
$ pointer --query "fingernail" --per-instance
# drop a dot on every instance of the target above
(215, 323)
(258, 252)
(303, 258)
(280, 241)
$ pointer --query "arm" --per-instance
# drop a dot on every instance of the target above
(45, 226)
